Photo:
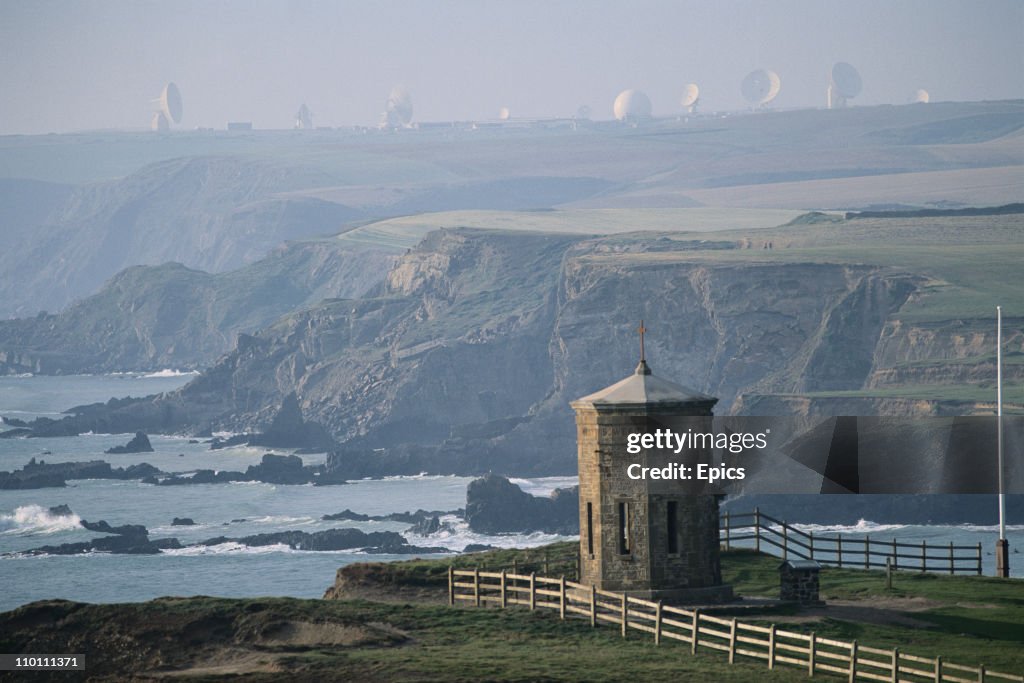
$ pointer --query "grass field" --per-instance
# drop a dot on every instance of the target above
(384, 634)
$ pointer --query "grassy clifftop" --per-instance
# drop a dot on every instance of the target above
(392, 625)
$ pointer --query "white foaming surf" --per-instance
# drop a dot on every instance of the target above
(35, 519)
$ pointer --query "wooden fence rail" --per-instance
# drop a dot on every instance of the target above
(769, 644)
(736, 639)
(777, 537)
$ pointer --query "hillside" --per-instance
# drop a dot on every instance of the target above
(79, 208)
(465, 357)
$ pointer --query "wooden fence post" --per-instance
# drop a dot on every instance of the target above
(951, 563)
(981, 674)
(771, 646)
(451, 585)
(924, 556)
(561, 597)
(732, 641)
(811, 654)
(785, 541)
(695, 629)
(938, 669)
(757, 530)
(476, 585)
(853, 662)
(515, 565)
(504, 593)
(895, 557)
(593, 605)
(810, 542)
(979, 559)
(867, 552)
(625, 614)
(839, 549)
(533, 590)
(895, 665)
(728, 526)
(579, 574)
(657, 624)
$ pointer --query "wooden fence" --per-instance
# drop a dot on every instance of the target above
(772, 535)
(727, 635)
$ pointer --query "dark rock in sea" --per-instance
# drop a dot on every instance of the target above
(496, 505)
(37, 474)
(192, 441)
(104, 527)
(139, 444)
(237, 440)
(26, 480)
(347, 515)
(118, 545)
(13, 422)
(406, 517)
(60, 511)
(288, 429)
(280, 469)
(425, 527)
(202, 477)
(183, 521)
(15, 433)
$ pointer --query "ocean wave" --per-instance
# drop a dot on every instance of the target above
(35, 519)
(228, 549)
(456, 535)
(169, 372)
(544, 486)
(862, 526)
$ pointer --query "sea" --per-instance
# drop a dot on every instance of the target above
(239, 509)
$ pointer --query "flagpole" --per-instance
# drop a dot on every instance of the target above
(1002, 546)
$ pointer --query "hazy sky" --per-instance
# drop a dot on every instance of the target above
(85, 65)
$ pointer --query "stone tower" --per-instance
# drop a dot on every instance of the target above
(654, 539)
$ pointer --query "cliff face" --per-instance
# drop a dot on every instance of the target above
(211, 213)
(466, 356)
(170, 316)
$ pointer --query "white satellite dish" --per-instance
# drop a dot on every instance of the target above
(159, 123)
(504, 114)
(921, 96)
(632, 106)
(760, 87)
(691, 95)
(304, 118)
(398, 109)
(170, 103)
(844, 85)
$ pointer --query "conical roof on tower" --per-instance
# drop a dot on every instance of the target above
(643, 389)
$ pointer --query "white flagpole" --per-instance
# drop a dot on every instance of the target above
(999, 418)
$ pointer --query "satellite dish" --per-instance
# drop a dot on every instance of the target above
(691, 94)
(504, 114)
(170, 103)
(760, 87)
(921, 97)
(159, 123)
(844, 85)
(632, 106)
(398, 109)
(304, 118)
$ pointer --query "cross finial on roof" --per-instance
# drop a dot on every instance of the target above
(641, 368)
